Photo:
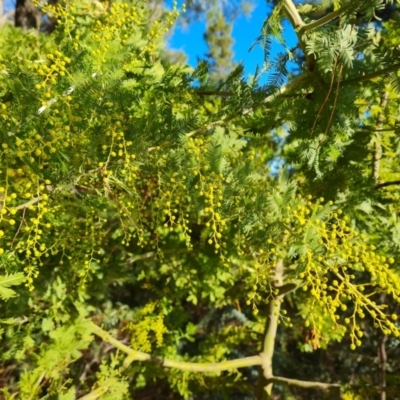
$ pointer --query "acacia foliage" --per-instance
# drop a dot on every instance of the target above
(134, 205)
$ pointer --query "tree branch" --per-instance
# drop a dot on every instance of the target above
(384, 184)
(324, 20)
(305, 384)
(213, 93)
(95, 394)
(21, 206)
(134, 355)
(213, 125)
(271, 327)
(285, 89)
(293, 14)
(372, 75)
(297, 23)
(9, 16)
(382, 358)
(264, 359)
(29, 203)
(394, 129)
(294, 83)
(378, 139)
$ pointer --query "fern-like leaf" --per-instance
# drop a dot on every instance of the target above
(7, 281)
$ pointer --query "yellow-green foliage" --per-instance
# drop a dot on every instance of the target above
(144, 323)
(128, 198)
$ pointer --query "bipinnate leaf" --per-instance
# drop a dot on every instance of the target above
(7, 281)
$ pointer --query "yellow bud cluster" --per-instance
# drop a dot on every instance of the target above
(333, 253)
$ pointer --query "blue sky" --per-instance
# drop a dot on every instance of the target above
(9, 5)
(245, 31)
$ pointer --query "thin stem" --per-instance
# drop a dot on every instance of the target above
(334, 102)
(372, 75)
(305, 384)
(378, 139)
(394, 129)
(115, 198)
(95, 394)
(36, 386)
(213, 93)
(325, 100)
(29, 203)
(19, 228)
(364, 299)
(212, 125)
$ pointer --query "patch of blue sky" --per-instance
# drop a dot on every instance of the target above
(189, 39)
(9, 5)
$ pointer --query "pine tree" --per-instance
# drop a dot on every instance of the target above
(27, 16)
(218, 37)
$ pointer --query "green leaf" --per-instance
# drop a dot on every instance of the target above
(365, 206)
(10, 280)
(70, 395)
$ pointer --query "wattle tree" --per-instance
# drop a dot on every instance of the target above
(150, 246)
